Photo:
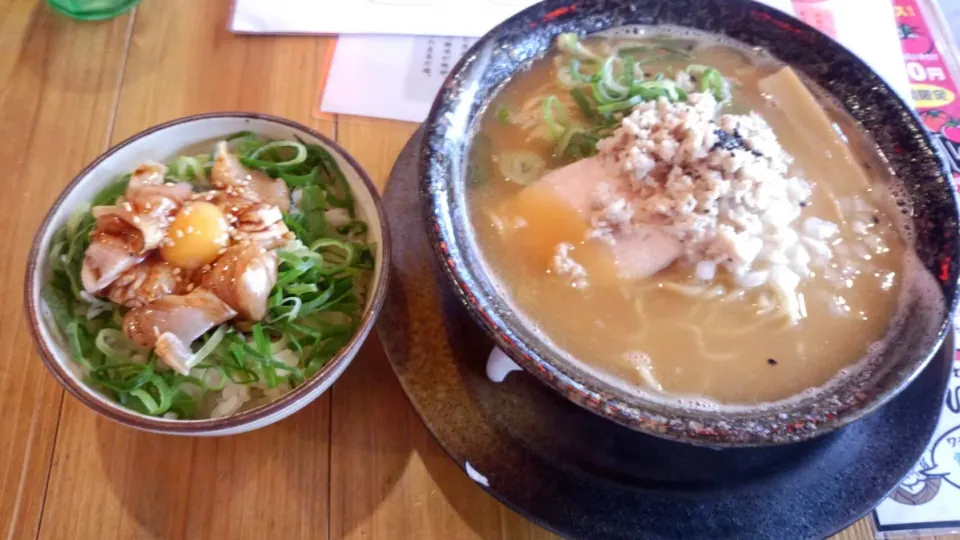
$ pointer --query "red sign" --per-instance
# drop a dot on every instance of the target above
(932, 84)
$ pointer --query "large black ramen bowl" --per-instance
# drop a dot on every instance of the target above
(930, 205)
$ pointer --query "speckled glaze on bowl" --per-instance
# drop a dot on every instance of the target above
(931, 208)
(162, 143)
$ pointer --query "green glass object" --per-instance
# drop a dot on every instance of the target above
(92, 10)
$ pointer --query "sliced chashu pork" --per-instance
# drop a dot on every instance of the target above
(558, 208)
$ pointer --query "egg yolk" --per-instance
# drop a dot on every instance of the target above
(196, 236)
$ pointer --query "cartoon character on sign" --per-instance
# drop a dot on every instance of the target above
(941, 461)
(917, 488)
(946, 457)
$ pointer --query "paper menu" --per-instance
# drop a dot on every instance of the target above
(415, 65)
(402, 17)
(469, 18)
(361, 64)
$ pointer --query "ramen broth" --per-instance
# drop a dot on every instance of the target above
(663, 334)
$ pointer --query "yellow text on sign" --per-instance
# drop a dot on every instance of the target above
(929, 96)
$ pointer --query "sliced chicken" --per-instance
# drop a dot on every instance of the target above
(229, 172)
(576, 184)
(262, 225)
(175, 353)
(150, 173)
(243, 278)
(107, 257)
(149, 280)
(185, 316)
(644, 252)
(126, 232)
(252, 220)
(149, 180)
(148, 203)
(558, 209)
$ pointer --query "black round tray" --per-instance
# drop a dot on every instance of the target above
(582, 476)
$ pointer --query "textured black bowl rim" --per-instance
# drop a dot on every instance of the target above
(715, 430)
(246, 418)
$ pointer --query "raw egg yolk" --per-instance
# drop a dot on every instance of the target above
(196, 236)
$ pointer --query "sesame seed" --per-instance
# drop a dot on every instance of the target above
(176, 271)
(179, 233)
(190, 229)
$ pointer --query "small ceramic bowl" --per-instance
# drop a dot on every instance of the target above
(931, 209)
(162, 143)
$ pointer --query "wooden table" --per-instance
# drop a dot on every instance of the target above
(357, 463)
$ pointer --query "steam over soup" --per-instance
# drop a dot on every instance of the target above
(688, 219)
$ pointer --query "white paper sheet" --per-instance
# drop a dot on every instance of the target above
(393, 77)
(411, 17)
(419, 64)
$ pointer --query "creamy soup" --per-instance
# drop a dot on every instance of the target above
(687, 219)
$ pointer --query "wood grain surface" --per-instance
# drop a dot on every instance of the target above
(355, 464)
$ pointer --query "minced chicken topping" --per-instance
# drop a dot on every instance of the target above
(719, 185)
(564, 265)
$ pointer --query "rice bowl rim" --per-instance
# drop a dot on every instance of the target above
(255, 417)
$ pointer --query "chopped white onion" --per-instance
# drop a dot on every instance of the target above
(777, 257)
(754, 279)
(786, 283)
(800, 260)
(747, 247)
(798, 190)
(780, 213)
(820, 229)
(706, 270)
(818, 249)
